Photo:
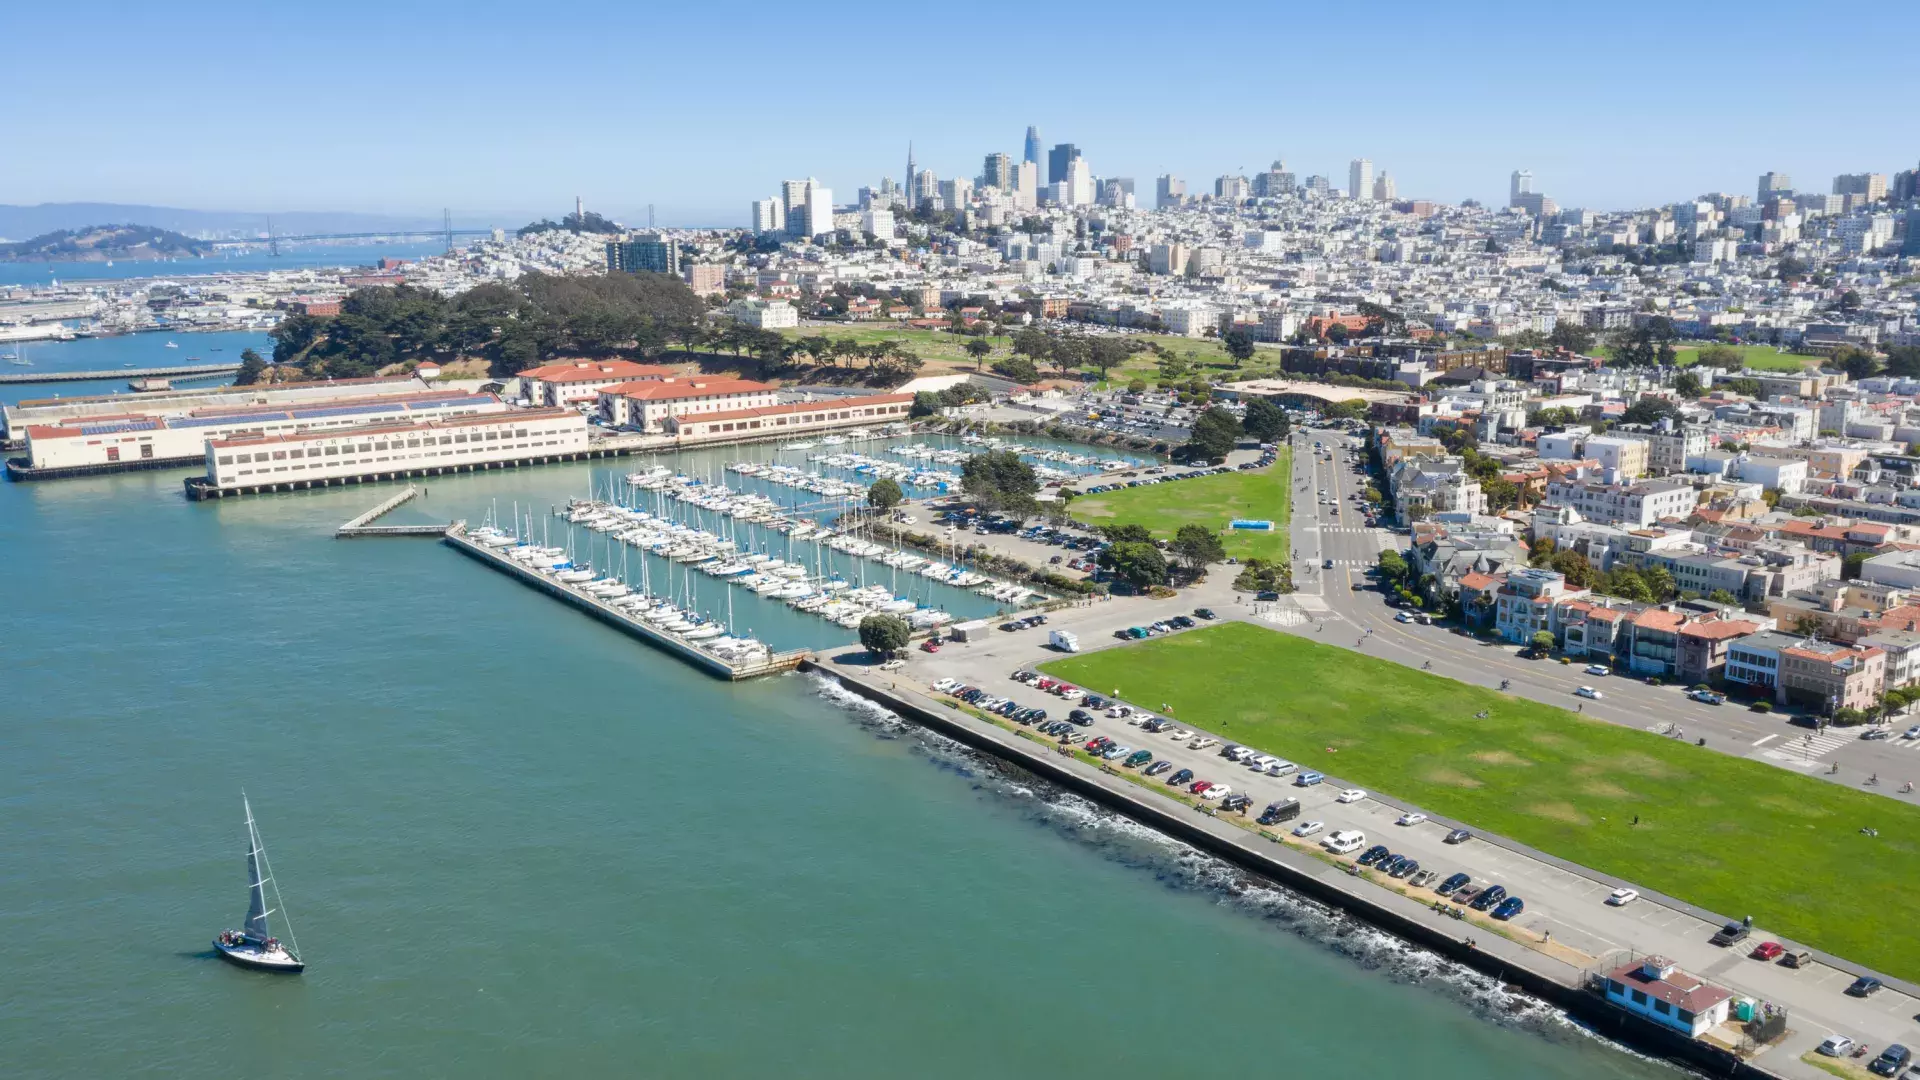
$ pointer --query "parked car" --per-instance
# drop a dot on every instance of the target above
(1767, 950)
(1138, 758)
(1599, 669)
(1836, 1046)
(1216, 791)
(1707, 697)
(1459, 836)
(1891, 1060)
(1453, 883)
(1864, 986)
(1622, 897)
(1308, 828)
(1308, 779)
(1236, 803)
(1373, 854)
(1344, 841)
(1465, 894)
(1158, 767)
(1350, 795)
(1796, 958)
(1199, 787)
(1411, 818)
(1402, 867)
(1423, 879)
(1205, 613)
(1731, 934)
(1509, 907)
(1203, 743)
(1489, 896)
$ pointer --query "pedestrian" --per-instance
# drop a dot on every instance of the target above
(1636, 819)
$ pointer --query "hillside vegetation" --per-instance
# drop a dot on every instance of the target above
(95, 243)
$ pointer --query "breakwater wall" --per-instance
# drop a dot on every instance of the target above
(1551, 980)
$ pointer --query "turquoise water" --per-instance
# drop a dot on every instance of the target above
(517, 843)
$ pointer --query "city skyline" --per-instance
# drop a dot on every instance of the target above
(563, 134)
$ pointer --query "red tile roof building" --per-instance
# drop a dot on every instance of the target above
(647, 404)
(574, 381)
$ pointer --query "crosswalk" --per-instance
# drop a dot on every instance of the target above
(1282, 615)
(1338, 563)
(1351, 529)
(1802, 750)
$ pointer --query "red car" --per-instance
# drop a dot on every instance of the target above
(1768, 950)
(1046, 684)
(929, 645)
(1099, 744)
(1200, 786)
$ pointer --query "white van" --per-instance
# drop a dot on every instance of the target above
(1237, 754)
(1344, 841)
(1282, 767)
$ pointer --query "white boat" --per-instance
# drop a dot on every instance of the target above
(254, 946)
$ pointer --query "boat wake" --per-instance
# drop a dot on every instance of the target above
(1179, 866)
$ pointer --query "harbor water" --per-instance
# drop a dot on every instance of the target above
(515, 842)
(253, 259)
(48, 359)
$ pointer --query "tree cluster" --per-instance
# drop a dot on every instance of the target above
(999, 480)
(1214, 434)
(589, 222)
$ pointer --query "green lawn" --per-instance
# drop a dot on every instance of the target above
(1759, 358)
(1733, 835)
(1211, 501)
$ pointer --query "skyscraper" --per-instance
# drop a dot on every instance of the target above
(1026, 185)
(1384, 189)
(1079, 183)
(769, 215)
(1772, 184)
(1520, 183)
(998, 172)
(793, 204)
(819, 210)
(1360, 179)
(1169, 190)
(908, 188)
(1033, 145)
(1061, 156)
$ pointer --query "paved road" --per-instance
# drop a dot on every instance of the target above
(1345, 597)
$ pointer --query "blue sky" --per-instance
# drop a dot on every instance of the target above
(504, 110)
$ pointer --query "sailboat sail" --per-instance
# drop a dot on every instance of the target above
(256, 925)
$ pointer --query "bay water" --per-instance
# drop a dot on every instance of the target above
(514, 842)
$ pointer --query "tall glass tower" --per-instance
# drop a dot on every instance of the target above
(1033, 145)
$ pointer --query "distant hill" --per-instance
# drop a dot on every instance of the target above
(94, 243)
(22, 221)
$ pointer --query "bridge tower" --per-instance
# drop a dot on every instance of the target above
(273, 241)
(446, 222)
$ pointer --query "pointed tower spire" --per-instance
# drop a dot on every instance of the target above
(908, 190)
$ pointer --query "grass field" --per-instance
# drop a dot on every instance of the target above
(1211, 501)
(1733, 835)
(1758, 357)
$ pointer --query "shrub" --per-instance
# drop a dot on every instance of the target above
(1763, 706)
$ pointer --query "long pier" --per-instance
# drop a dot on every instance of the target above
(774, 664)
(178, 371)
(364, 524)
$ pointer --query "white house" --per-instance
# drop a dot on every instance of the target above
(1657, 990)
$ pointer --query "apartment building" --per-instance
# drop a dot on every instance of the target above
(1635, 505)
(575, 381)
(646, 404)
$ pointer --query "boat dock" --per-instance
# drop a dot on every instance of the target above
(772, 663)
(364, 524)
(181, 371)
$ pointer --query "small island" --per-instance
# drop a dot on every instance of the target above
(98, 243)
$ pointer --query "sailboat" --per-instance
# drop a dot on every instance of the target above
(255, 946)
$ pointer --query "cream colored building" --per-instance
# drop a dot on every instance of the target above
(320, 456)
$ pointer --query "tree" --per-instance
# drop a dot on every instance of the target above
(1850, 566)
(1108, 353)
(251, 368)
(885, 494)
(1849, 301)
(1393, 566)
(1687, 385)
(1571, 336)
(1650, 409)
(1627, 584)
(1904, 361)
(1018, 368)
(1265, 420)
(1197, 545)
(1239, 345)
(978, 348)
(1126, 534)
(925, 403)
(1139, 565)
(884, 635)
(1070, 353)
(1659, 583)
(1725, 357)
(1857, 363)
(999, 480)
(1722, 596)
(1215, 432)
(1542, 642)
(1574, 567)
(1137, 386)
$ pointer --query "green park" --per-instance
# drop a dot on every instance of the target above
(1211, 501)
(1730, 834)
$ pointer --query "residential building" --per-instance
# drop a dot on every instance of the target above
(764, 314)
(645, 405)
(1772, 185)
(1754, 661)
(1871, 186)
(819, 211)
(1657, 990)
(769, 216)
(1524, 603)
(1627, 457)
(1518, 185)
(1703, 647)
(1830, 676)
(652, 253)
(1902, 648)
(998, 172)
(1169, 191)
(1026, 186)
(1384, 189)
(1637, 505)
(706, 279)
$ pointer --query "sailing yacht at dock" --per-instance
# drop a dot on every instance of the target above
(254, 946)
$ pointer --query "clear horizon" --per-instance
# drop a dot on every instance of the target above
(405, 110)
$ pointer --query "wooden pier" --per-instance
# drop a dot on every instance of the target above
(774, 664)
(364, 524)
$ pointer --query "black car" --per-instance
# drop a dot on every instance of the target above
(1080, 716)
(1010, 627)
(1374, 854)
(1731, 934)
(1236, 802)
(1864, 986)
(1183, 622)
(1459, 836)
(1205, 613)
(1180, 777)
(1268, 595)
(1095, 701)
(1447, 887)
(1491, 896)
(1891, 1061)
(1403, 867)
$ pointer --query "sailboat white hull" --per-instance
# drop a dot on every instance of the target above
(249, 954)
